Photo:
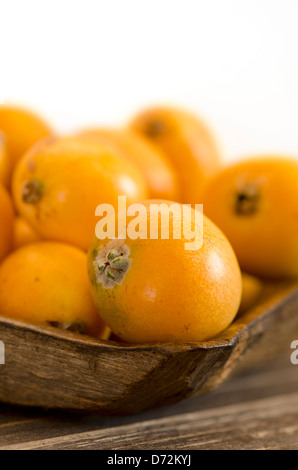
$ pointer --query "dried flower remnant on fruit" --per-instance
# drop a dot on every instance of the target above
(32, 192)
(247, 200)
(112, 263)
(154, 129)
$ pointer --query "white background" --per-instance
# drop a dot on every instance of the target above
(234, 62)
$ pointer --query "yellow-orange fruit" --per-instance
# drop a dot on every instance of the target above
(159, 174)
(6, 223)
(251, 292)
(4, 162)
(187, 143)
(255, 203)
(156, 290)
(46, 283)
(23, 233)
(59, 183)
(21, 128)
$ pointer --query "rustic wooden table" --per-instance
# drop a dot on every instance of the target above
(255, 409)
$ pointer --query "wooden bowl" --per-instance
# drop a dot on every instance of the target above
(47, 367)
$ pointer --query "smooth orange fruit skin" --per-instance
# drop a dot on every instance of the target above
(4, 162)
(6, 223)
(187, 143)
(159, 174)
(168, 294)
(21, 128)
(68, 178)
(23, 233)
(251, 291)
(46, 283)
(255, 203)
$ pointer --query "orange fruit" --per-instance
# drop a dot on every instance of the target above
(46, 283)
(22, 129)
(159, 174)
(4, 162)
(187, 143)
(251, 292)
(255, 203)
(59, 183)
(155, 290)
(6, 223)
(23, 233)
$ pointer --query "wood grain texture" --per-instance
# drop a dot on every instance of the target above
(255, 409)
(50, 368)
(238, 426)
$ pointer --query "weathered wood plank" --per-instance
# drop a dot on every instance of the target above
(248, 425)
(254, 409)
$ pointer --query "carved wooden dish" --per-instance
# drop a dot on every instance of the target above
(50, 368)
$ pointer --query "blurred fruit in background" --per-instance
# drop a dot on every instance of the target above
(6, 223)
(251, 291)
(46, 283)
(23, 233)
(21, 128)
(187, 143)
(59, 183)
(4, 162)
(255, 203)
(158, 172)
(151, 290)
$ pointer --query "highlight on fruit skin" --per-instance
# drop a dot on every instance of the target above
(154, 290)
(252, 288)
(46, 283)
(7, 215)
(159, 174)
(22, 128)
(59, 183)
(255, 203)
(188, 144)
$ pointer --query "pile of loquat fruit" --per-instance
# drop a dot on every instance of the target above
(55, 272)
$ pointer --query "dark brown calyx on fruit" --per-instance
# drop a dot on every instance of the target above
(154, 129)
(247, 200)
(32, 192)
(75, 327)
(112, 263)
